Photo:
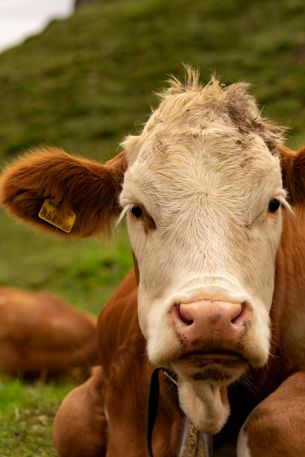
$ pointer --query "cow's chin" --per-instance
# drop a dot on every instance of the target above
(202, 387)
(205, 403)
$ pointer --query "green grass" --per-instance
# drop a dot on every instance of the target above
(26, 417)
(86, 82)
(83, 272)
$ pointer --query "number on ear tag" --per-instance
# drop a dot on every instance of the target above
(50, 213)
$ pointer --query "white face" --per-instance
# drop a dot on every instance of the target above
(205, 244)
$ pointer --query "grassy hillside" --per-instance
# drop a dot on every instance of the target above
(86, 82)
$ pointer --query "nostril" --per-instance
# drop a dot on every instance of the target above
(182, 315)
(238, 312)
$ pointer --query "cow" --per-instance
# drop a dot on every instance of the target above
(213, 203)
(40, 334)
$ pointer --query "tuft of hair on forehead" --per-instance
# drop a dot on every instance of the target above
(233, 102)
(188, 105)
(191, 82)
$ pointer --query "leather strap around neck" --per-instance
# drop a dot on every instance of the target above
(152, 409)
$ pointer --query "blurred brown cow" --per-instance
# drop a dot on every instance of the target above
(41, 334)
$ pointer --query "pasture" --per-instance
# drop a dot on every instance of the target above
(82, 85)
(84, 273)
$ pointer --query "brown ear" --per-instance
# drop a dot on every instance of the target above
(293, 173)
(72, 184)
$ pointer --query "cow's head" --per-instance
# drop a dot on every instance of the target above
(202, 191)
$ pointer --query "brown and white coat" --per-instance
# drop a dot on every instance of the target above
(217, 293)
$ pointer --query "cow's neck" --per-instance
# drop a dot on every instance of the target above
(289, 298)
(289, 295)
(288, 308)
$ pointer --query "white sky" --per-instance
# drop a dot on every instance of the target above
(22, 18)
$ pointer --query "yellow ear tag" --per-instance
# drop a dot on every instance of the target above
(50, 213)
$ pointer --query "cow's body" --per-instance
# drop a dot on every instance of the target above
(126, 375)
(217, 294)
(125, 368)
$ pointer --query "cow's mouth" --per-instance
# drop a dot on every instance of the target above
(219, 366)
(202, 358)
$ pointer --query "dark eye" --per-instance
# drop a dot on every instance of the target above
(137, 211)
(274, 205)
